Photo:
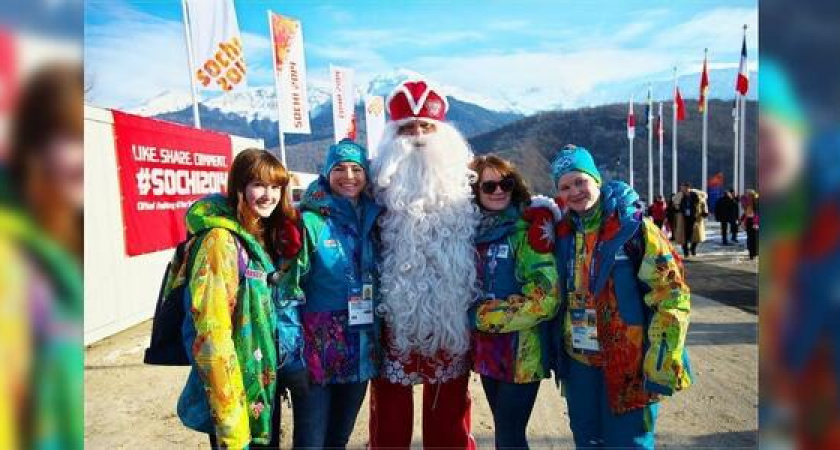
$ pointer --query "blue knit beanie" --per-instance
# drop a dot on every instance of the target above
(574, 159)
(345, 151)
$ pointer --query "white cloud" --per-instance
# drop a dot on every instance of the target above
(563, 78)
(721, 30)
(382, 38)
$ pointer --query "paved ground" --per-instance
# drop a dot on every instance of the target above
(132, 405)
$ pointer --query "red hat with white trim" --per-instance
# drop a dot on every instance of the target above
(416, 99)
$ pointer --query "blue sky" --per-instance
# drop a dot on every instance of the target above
(134, 49)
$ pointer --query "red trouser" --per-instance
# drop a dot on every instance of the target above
(446, 421)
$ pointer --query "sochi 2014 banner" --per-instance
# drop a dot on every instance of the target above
(344, 103)
(289, 74)
(217, 45)
(374, 122)
(163, 169)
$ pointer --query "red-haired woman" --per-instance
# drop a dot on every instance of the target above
(244, 330)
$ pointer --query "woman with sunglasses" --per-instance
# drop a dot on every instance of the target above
(519, 297)
(237, 344)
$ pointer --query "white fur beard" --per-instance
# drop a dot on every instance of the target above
(428, 274)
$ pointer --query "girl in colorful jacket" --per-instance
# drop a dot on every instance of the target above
(510, 344)
(242, 330)
(339, 278)
(626, 310)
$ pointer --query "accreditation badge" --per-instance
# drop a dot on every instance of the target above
(360, 305)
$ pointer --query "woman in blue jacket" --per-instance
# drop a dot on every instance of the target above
(341, 343)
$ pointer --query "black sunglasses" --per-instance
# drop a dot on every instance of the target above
(507, 184)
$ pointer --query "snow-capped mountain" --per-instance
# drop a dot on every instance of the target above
(258, 103)
(166, 101)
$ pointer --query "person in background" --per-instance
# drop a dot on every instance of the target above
(691, 212)
(625, 317)
(243, 333)
(519, 286)
(340, 280)
(671, 218)
(726, 213)
(658, 211)
(749, 220)
(41, 251)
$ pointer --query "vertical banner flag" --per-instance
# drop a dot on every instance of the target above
(164, 168)
(289, 74)
(216, 45)
(678, 101)
(374, 122)
(631, 122)
(742, 85)
(344, 103)
(704, 86)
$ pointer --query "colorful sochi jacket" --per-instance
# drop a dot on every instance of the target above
(635, 279)
(339, 258)
(519, 286)
(233, 328)
(41, 313)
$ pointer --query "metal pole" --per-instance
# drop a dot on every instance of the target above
(736, 126)
(650, 145)
(661, 145)
(631, 164)
(741, 163)
(674, 138)
(191, 62)
(705, 170)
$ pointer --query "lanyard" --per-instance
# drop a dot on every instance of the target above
(490, 273)
(572, 262)
(353, 266)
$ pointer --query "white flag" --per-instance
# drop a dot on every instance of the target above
(289, 74)
(374, 122)
(216, 45)
(343, 102)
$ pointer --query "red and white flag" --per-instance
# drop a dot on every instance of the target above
(704, 86)
(631, 122)
(742, 85)
(660, 130)
(679, 104)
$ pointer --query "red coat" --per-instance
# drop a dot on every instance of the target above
(658, 210)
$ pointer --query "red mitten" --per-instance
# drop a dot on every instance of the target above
(291, 239)
(541, 229)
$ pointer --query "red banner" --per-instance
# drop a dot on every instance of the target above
(163, 169)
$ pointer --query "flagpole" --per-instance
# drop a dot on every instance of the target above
(650, 144)
(631, 137)
(741, 163)
(736, 127)
(191, 62)
(660, 133)
(674, 138)
(705, 131)
(743, 147)
(280, 136)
